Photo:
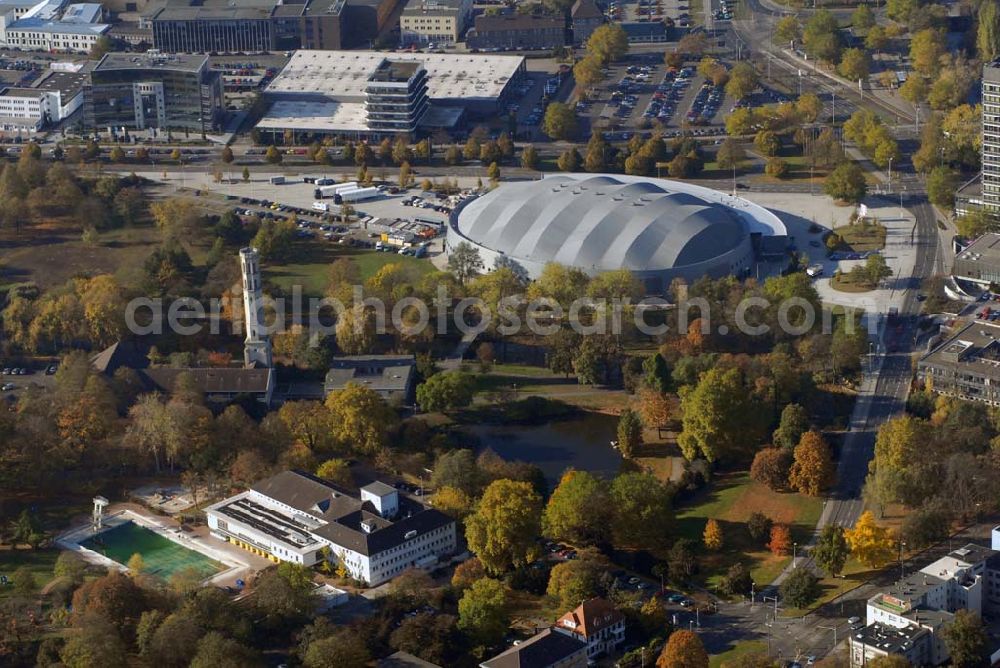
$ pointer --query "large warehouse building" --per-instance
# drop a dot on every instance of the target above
(658, 229)
(336, 92)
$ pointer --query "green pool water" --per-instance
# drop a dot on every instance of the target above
(162, 557)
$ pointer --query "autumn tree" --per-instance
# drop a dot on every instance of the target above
(715, 412)
(560, 121)
(503, 529)
(453, 502)
(578, 510)
(770, 467)
(813, 470)
(466, 573)
(336, 471)
(482, 611)
(654, 408)
(870, 544)
(360, 419)
(684, 649)
(607, 43)
(641, 508)
(988, 33)
(846, 183)
(788, 28)
(574, 581)
(712, 536)
(821, 36)
(781, 540)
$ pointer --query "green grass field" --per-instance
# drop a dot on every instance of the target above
(860, 238)
(730, 500)
(311, 260)
(737, 651)
(39, 562)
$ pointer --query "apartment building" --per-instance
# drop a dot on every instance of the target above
(297, 517)
(991, 136)
(516, 32)
(434, 21)
(967, 364)
(906, 619)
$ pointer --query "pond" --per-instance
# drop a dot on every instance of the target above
(582, 442)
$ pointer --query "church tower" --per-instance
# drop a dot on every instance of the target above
(257, 345)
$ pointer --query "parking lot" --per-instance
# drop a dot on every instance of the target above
(550, 83)
(412, 220)
(642, 93)
(19, 375)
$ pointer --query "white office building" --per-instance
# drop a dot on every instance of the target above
(293, 516)
(50, 26)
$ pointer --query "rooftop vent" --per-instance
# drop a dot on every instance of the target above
(410, 534)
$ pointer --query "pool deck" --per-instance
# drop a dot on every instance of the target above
(240, 565)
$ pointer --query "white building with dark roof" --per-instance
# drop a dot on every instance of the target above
(293, 516)
(906, 618)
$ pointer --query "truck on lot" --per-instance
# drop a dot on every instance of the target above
(277, 180)
(814, 270)
(355, 195)
(332, 190)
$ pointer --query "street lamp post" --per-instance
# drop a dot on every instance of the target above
(794, 554)
(902, 544)
(775, 599)
(890, 173)
(830, 628)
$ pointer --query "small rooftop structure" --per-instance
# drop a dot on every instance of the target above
(394, 71)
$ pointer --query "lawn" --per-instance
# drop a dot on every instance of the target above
(845, 282)
(730, 500)
(40, 562)
(737, 652)
(859, 238)
(311, 260)
(51, 254)
(534, 380)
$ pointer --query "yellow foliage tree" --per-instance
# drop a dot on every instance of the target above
(870, 544)
(713, 535)
(452, 501)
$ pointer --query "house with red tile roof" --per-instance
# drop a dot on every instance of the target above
(596, 622)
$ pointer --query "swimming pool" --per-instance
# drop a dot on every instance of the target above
(161, 556)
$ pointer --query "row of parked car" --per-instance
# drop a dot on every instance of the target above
(706, 104)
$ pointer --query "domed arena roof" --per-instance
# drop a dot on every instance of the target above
(600, 223)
